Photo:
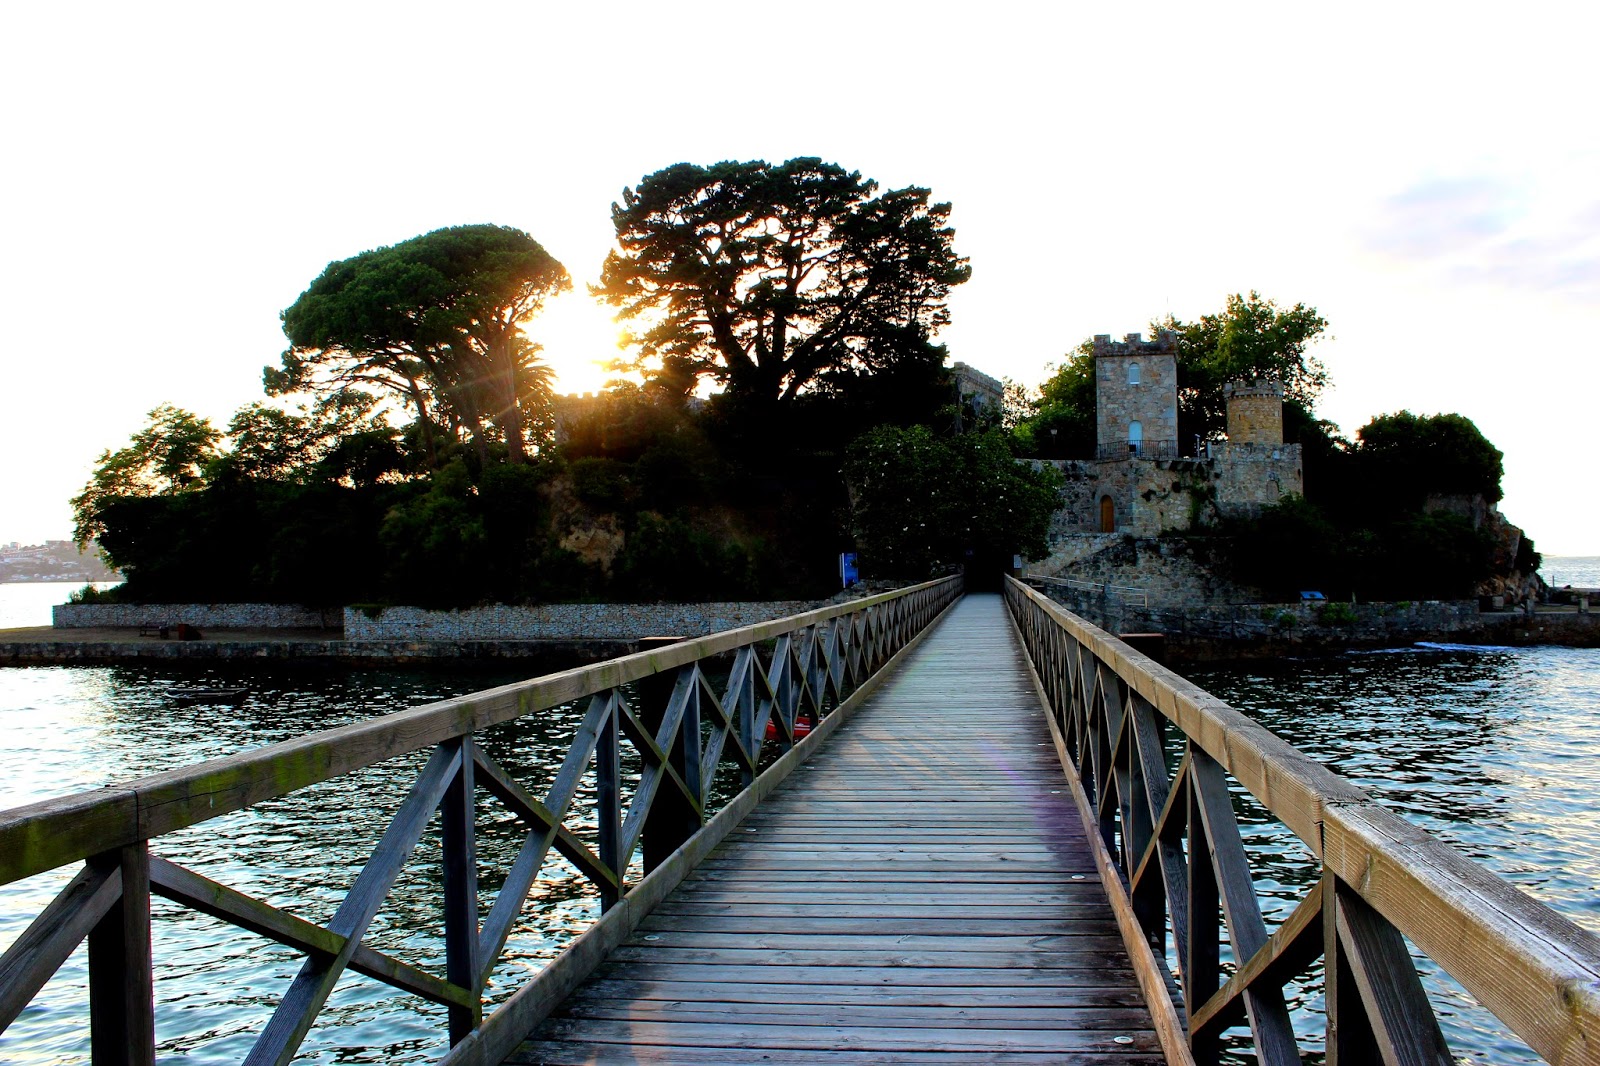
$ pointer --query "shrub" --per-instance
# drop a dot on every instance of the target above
(599, 482)
(1336, 613)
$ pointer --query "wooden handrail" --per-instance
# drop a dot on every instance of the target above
(819, 662)
(53, 832)
(1537, 971)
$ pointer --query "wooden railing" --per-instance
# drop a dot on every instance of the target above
(1174, 862)
(815, 665)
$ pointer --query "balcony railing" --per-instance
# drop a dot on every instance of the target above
(1138, 449)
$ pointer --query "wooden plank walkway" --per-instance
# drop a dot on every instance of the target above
(920, 892)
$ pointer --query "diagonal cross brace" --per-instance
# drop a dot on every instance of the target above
(298, 1009)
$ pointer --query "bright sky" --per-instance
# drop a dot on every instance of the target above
(1426, 175)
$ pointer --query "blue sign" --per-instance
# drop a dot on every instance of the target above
(847, 569)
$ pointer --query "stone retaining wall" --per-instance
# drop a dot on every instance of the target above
(565, 621)
(537, 656)
(202, 616)
(1270, 630)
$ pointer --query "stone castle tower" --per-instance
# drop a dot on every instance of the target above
(1255, 411)
(1136, 389)
(1139, 483)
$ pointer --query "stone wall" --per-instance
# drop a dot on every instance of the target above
(1266, 630)
(535, 656)
(1151, 496)
(566, 621)
(1250, 476)
(202, 616)
(1164, 570)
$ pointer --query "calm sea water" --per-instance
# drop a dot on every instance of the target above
(1495, 750)
(66, 728)
(1582, 571)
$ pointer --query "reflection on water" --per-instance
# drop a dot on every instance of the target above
(67, 729)
(1495, 751)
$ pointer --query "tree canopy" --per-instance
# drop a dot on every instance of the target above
(917, 500)
(169, 455)
(1409, 457)
(1252, 337)
(436, 321)
(765, 277)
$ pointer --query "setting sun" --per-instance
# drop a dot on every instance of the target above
(579, 338)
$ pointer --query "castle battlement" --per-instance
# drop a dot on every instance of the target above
(1264, 388)
(1165, 343)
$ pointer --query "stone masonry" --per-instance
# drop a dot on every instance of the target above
(1255, 412)
(565, 621)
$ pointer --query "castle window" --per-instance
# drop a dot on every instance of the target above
(1135, 437)
(1133, 373)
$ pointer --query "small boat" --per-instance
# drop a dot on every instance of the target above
(188, 696)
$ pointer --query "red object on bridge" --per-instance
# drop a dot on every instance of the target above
(802, 728)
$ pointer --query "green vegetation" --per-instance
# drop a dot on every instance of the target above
(1407, 458)
(406, 451)
(773, 279)
(1384, 515)
(435, 321)
(1337, 613)
(1250, 338)
(1383, 518)
(918, 500)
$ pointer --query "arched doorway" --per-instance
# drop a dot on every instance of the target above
(1108, 515)
(1136, 437)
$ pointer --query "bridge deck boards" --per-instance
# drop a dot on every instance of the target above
(920, 892)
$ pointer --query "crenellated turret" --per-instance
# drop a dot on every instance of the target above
(1255, 411)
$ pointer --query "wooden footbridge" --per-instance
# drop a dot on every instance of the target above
(981, 830)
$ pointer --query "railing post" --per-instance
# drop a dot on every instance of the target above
(122, 1026)
(1350, 1037)
(1202, 971)
(744, 702)
(458, 813)
(672, 819)
(608, 803)
(1377, 1009)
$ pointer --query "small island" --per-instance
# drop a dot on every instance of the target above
(786, 406)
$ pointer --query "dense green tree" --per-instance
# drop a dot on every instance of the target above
(1407, 457)
(918, 501)
(1366, 529)
(437, 321)
(170, 454)
(1062, 422)
(765, 277)
(1252, 337)
(271, 442)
